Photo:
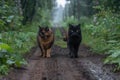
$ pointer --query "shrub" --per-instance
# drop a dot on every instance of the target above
(104, 36)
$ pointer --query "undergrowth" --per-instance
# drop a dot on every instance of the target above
(103, 35)
(13, 45)
(59, 39)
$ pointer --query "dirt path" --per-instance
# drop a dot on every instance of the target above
(60, 67)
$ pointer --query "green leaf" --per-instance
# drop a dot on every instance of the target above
(115, 54)
(4, 46)
(4, 69)
(112, 41)
(10, 62)
(0, 36)
(9, 19)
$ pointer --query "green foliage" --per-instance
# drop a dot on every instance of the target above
(9, 57)
(58, 33)
(20, 41)
(70, 20)
(12, 54)
(43, 14)
(59, 39)
(84, 19)
(114, 58)
(79, 8)
(9, 20)
(28, 10)
(61, 43)
(43, 17)
(111, 5)
(16, 39)
(4, 69)
(104, 35)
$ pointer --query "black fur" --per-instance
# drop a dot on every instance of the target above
(74, 39)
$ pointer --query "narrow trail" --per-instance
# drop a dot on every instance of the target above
(60, 67)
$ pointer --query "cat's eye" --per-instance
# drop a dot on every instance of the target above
(77, 31)
(48, 35)
(47, 29)
(71, 30)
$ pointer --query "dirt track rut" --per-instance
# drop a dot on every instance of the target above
(59, 67)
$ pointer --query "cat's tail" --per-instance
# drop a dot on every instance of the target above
(65, 37)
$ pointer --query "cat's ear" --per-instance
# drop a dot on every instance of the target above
(40, 27)
(70, 25)
(47, 28)
(78, 25)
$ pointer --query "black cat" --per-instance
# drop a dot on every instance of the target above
(74, 39)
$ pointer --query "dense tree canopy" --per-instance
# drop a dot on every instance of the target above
(80, 8)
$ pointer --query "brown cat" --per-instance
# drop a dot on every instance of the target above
(45, 40)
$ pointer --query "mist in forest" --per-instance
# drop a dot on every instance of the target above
(58, 15)
(58, 12)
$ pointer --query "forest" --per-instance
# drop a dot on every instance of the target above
(19, 21)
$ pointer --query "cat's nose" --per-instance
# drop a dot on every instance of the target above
(45, 37)
(42, 33)
(74, 35)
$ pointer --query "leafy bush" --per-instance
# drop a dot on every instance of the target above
(114, 58)
(43, 17)
(71, 20)
(8, 58)
(16, 39)
(9, 18)
(20, 43)
(104, 34)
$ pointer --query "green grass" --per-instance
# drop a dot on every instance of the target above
(61, 43)
(58, 34)
(20, 41)
(96, 44)
(59, 39)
